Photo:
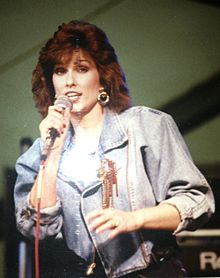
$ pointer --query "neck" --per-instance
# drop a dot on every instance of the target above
(87, 121)
(87, 127)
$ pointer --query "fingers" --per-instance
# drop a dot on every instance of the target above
(66, 116)
(103, 220)
(57, 118)
(114, 221)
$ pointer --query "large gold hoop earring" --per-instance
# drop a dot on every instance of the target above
(103, 97)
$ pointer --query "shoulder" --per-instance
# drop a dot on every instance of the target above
(142, 111)
(148, 122)
(32, 155)
(143, 115)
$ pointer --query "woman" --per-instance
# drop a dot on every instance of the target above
(118, 181)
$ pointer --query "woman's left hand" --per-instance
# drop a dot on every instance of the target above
(116, 221)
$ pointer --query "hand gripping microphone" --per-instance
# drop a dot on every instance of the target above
(64, 102)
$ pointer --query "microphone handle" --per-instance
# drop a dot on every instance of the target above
(53, 134)
(64, 102)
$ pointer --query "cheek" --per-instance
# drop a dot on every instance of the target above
(95, 83)
(57, 84)
(54, 82)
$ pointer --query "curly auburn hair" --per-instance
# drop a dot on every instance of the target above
(88, 37)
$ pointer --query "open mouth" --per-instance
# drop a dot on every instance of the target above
(73, 96)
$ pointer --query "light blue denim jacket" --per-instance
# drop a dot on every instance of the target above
(153, 166)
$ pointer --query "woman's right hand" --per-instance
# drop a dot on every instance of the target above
(59, 119)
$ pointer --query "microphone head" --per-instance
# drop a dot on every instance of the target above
(64, 102)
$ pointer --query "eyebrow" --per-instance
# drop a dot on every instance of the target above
(77, 61)
(82, 60)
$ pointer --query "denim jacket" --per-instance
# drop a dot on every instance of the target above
(153, 166)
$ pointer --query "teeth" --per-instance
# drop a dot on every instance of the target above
(72, 94)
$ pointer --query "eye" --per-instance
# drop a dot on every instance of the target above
(82, 69)
(59, 70)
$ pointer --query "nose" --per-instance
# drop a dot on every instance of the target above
(70, 79)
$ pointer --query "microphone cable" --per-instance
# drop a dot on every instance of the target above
(64, 102)
(37, 236)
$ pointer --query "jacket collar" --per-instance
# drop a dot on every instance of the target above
(113, 133)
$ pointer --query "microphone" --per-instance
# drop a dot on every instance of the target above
(64, 102)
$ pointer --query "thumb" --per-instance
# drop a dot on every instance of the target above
(66, 116)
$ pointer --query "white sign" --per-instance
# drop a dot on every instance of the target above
(209, 259)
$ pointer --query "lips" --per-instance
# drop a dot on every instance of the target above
(73, 95)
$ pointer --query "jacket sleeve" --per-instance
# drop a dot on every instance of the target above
(27, 167)
(179, 182)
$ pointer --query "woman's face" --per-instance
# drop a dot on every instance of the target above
(79, 81)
